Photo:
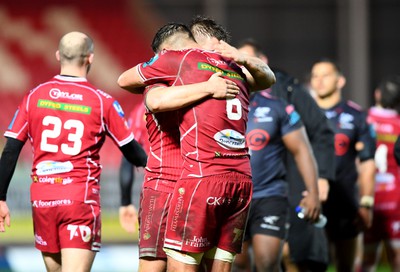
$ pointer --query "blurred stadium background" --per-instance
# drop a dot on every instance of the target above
(363, 35)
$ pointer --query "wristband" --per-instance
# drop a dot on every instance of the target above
(367, 201)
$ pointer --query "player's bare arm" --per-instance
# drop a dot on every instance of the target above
(366, 180)
(297, 143)
(259, 75)
(131, 81)
(162, 98)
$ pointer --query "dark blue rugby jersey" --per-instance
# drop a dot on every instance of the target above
(269, 120)
(350, 125)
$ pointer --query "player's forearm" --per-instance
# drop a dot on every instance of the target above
(176, 97)
(131, 81)
(8, 163)
(366, 178)
(297, 143)
(308, 170)
(126, 179)
(262, 75)
(134, 153)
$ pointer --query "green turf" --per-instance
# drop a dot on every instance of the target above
(380, 268)
(21, 231)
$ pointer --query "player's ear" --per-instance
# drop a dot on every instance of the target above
(341, 81)
(58, 55)
(91, 56)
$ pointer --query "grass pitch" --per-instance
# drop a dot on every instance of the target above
(21, 231)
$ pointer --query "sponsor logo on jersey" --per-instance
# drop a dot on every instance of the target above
(198, 242)
(48, 104)
(53, 167)
(257, 139)
(345, 121)
(294, 117)
(51, 203)
(216, 62)
(261, 115)
(151, 61)
(52, 180)
(119, 109)
(230, 139)
(106, 95)
(208, 67)
(57, 93)
(13, 120)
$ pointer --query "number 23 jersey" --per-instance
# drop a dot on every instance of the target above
(66, 120)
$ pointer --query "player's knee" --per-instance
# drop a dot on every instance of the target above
(220, 254)
(187, 258)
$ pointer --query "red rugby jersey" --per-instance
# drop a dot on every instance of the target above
(212, 131)
(137, 122)
(66, 120)
(387, 187)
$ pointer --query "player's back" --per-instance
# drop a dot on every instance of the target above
(213, 130)
(66, 119)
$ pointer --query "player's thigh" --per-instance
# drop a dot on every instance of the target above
(242, 262)
(52, 261)
(267, 250)
(77, 260)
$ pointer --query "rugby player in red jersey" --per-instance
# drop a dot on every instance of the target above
(386, 205)
(216, 164)
(66, 119)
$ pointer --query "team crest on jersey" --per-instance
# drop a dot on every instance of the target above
(257, 139)
(118, 108)
(261, 114)
(230, 139)
(346, 121)
(342, 142)
(151, 61)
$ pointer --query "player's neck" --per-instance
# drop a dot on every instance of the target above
(329, 101)
(73, 71)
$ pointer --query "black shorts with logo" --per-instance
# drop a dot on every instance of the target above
(268, 216)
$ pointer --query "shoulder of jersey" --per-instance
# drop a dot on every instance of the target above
(267, 95)
(354, 105)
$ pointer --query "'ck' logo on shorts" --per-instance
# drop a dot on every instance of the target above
(83, 231)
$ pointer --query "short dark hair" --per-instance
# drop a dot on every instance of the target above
(167, 31)
(203, 25)
(332, 62)
(390, 92)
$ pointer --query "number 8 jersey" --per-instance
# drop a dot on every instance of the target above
(212, 131)
(66, 120)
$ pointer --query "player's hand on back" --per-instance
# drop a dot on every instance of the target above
(222, 88)
(230, 52)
